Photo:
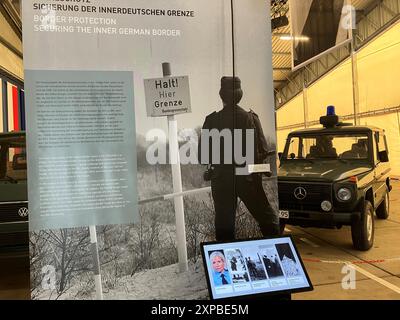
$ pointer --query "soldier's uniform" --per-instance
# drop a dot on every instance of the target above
(226, 185)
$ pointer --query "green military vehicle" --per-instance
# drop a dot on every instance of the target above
(335, 176)
(13, 191)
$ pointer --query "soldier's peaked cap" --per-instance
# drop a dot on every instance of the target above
(231, 83)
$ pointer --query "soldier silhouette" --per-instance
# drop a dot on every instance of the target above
(226, 186)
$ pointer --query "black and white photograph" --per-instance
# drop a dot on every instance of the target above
(178, 207)
(199, 150)
(288, 261)
(240, 277)
(236, 260)
(254, 264)
(271, 262)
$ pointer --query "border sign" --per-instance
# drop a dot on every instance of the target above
(167, 96)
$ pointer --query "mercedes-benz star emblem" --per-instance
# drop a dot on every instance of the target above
(23, 212)
(300, 193)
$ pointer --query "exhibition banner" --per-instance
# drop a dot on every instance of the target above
(81, 141)
(118, 93)
(317, 27)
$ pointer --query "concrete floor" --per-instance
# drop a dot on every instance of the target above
(377, 276)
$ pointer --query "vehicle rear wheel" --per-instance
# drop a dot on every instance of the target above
(382, 212)
(363, 230)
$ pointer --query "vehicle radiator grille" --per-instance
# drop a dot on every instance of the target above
(316, 193)
(9, 212)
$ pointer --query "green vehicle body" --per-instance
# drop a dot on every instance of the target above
(13, 190)
(368, 179)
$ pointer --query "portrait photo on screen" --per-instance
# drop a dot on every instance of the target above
(220, 273)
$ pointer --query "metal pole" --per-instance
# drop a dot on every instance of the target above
(96, 262)
(305, 101)
(177, 184)
(354, 72)
(356, 94)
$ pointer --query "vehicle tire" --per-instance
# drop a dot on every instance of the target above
(382, 212)
(363, 230)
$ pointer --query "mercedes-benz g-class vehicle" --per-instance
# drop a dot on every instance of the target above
(335, 176)
(13, 191)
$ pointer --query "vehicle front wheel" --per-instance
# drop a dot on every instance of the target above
(363, 230)
(382, 212)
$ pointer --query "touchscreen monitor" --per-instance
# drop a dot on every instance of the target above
(254, 267)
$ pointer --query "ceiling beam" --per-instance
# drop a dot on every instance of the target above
(11, 16)
(9, 46)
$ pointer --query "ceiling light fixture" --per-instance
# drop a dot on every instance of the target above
(291, 38)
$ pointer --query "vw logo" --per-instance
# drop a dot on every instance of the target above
(23, 212)
(300, 193)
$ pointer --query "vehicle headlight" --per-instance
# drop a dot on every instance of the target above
(344, 194)
(326, 206)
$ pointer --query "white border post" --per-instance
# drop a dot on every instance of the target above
(96, 262)
(174, 158)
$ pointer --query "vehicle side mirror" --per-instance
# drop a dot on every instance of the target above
(384, 156)
(19, 162)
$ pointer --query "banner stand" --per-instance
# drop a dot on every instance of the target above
(177, 184)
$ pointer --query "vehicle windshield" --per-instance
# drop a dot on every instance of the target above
(13, 162)
(328, 147)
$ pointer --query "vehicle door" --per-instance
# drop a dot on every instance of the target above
(382, 166)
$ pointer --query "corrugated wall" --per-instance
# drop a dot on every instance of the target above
(9, 61)
(12, 73)
(378, 65)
